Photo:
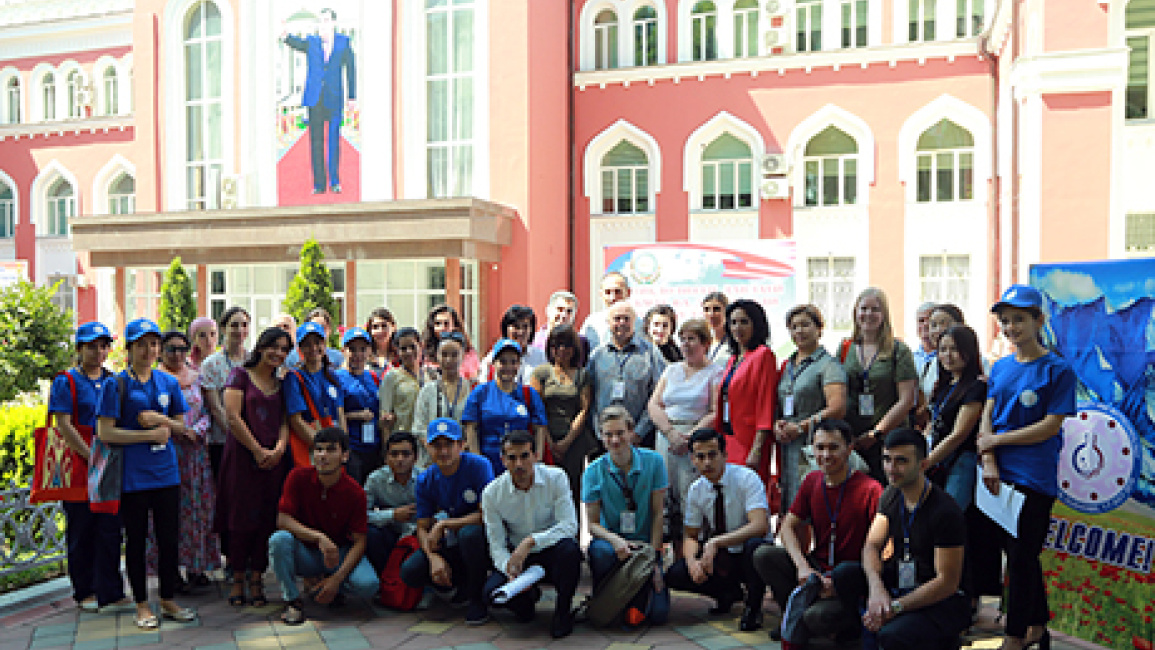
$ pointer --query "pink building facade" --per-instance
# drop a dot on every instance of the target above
(489, 150)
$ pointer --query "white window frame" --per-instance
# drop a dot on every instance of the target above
(848, 123)
(956, 155)
(742, 18)
(717, 168)
(12, 99)
(806, 24)
(838, 320)
(700, 27)
(43, 182)
(963, 19)
(211, 167)
(1139, 229)
(451, 146)
(639, 35)
(417, 298)
(48, 96)
(75, 85)
(723, 122)
(936, 288)
(110, 85)
(840, 160)
(596, 151)
(1149, 34)
(919, 21)
(606, 41)
(964, 115)
(58, 207)
(121, 203)
(8, 209)
(852, 5)
(633, 171)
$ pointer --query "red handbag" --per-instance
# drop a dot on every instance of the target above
(58, 472)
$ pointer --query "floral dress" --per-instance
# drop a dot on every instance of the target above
(199, 547)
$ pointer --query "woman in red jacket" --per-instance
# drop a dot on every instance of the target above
(747, 394)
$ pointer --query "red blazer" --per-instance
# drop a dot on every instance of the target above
(753, 394)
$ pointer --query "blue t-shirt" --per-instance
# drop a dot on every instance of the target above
(146, 466)
(87, 396)
(497, 412)
(327, 396)
(456, 495)
(360, 393)
(602, 483)
(1023, 394)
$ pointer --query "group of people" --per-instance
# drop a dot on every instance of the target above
(691, 445)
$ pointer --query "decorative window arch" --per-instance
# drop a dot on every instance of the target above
(606, 43)
(9, 206)
(945, 164)
(76, 93)
(647, 42)
(854, 127)
(609, 142)
(106, 86)
(55, 200)
(697, 151)
(44, 93)
(966, 117)
(11, 96)
(830, 168)
(704, 31)
(193, 167)
(114, 187)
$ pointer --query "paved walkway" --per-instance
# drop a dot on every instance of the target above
(34, 620)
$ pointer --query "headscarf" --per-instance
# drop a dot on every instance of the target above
(201, 322)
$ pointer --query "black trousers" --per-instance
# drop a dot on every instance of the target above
(468, 562)
(825, 616)
(164, 506)
(379, 544)
(732, 571)
(1026, 588)
(926, 628)
(93, 553)
(563, 567)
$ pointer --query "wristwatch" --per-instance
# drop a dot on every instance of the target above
(896, 607)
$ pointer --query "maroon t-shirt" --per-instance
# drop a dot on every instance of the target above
(854, 515)
(339, 511)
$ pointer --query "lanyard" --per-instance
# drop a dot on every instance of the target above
(937, 407)
(730, 376)
(456, 396)
(717, 348)
(866, 366)
(627, 490)
(622, 362)
(832, 515)
(801, 368)
(908, 520)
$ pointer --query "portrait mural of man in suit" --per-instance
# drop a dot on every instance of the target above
(330, 90)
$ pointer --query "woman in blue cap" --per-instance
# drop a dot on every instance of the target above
(141, 409)
(1031, 393)
(93, 538)
(359, 384)
(313, 397)
(505, 404)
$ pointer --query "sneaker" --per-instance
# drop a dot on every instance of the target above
(476, 614)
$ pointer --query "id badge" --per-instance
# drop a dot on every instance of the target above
(369, 433)
(726, 411)
(628, 522)
(618, 393)
(866, 405)
(906, 575)
(788, 406)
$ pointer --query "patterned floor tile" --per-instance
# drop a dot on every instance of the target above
(54, 630)
(95, 644)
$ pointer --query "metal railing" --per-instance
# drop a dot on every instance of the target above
(31, 534)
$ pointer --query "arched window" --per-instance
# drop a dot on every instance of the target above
(808, 23)
(12, 100)
(625, 180)
(75, 95)
(1140, 22)
(48, 92)
(122, 195)
(746, 28)
(606, 40)
(7, 211)
(202, 103)
(645, 36)
(111, 87)
(449, 77)
(704, 27)
(61, 208)
(945, 164)
(727, 175)
(831, 169)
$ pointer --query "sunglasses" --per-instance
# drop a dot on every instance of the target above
(453, 336)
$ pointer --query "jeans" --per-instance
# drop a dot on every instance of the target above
(732, 571)
(291, 558)
(927, 628)
(603, 560)
(563, 567)
(135, 507)
(380, 543)
(825, 616)
(468, 560)
(93, 553)
(960, 481)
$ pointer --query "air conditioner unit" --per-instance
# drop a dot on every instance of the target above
(232, 191)
(774, 164)
(777, 37)
(777, 7)
(212, 188)
(775, 188)
(84, 96)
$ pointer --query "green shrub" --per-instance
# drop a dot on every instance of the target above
(178, 308)
(17, 422)
(35, 338)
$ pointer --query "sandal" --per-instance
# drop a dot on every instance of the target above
(257, 591)
(237, 596)
(149, 622)
(294, 613)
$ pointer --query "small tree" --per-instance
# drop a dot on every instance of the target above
(35, 337)
(177, 306)
(312, 287)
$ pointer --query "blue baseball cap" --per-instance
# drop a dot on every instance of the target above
(138, 328)
(1022, 296)
(308, 328)
(356, 333)
(91, 331)
(505, 344)
(443, 428)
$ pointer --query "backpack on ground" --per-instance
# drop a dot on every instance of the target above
(394, 593)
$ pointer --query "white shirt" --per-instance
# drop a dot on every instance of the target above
(545, 511)
(743, 491)
(689, 399)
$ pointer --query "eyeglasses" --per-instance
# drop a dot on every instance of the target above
(176, 349)
(453, 336)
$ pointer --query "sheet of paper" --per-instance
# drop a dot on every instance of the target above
(518, 584)
(1003, 508)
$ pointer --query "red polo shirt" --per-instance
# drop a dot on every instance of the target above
(855, 514)
(339, 511)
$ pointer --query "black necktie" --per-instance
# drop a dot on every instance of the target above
(719, 511)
